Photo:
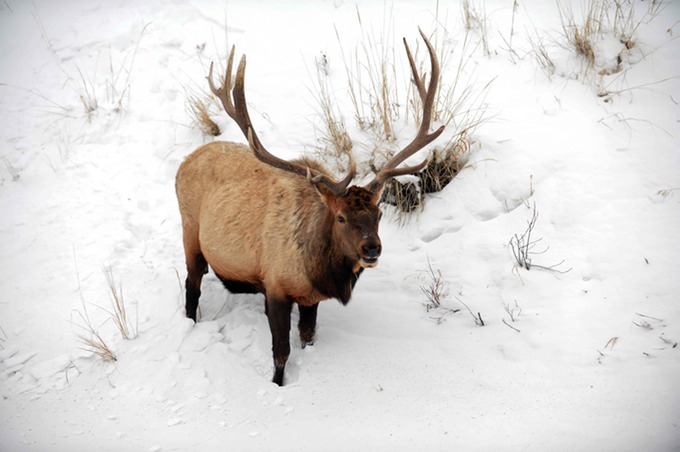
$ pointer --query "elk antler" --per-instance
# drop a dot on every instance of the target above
(234, 104)
(423, 138)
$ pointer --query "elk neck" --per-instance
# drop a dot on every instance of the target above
(332, 273)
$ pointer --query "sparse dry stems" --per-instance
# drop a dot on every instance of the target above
(371, 84)
(602, 18)
(92, 341)
(119, 311)
(3, 338)
(474, 18)
(335, 133)
(435, 290)
(541, 55)
(371, 77)
(87, 88)
(522, 247)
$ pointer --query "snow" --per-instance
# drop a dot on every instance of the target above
(584, 359)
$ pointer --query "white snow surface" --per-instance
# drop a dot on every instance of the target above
(589, 362)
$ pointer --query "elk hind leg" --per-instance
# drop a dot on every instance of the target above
(196, 268)
(278, 314)
(307, 324)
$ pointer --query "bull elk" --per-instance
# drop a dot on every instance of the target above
(284, 228)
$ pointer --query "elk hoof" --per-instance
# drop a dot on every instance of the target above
(306, 338)
(278, 376)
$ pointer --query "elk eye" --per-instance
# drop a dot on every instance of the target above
(341, 219)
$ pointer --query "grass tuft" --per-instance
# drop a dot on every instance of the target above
(602, 21)
(118, 312)
(198, 111)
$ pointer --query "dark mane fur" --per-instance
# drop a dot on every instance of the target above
(331, 273)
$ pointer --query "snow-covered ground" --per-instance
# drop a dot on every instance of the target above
(577, 360)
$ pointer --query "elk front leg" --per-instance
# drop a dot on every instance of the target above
(278, 314)
(307, 324)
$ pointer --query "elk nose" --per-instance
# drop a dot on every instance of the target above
(371, 250)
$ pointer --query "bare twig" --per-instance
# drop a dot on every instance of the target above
(435, 290)
(478, 317)
(522, 247)
(510, 326)
(3, 338)
(612, 342)
(648, 317)
(513, 312)
(672, 343)
(11, 169)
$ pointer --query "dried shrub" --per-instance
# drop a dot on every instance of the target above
(407, 195)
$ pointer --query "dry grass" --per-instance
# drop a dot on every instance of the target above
(408, 195)
(335, 141)
(460, 104)
(541, 55)
(371, 78)
(118, 312)
(371, 73)
(475, 19)
(91, 340)
(198, 111)
(601, 18)
(116, 84)
(666, 192)
(581, 35)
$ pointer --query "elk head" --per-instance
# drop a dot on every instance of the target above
(353, 210)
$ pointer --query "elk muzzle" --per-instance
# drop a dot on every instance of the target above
(370, 252)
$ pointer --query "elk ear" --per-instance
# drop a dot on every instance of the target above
(376, 188)
(324, 192)
(376, 194)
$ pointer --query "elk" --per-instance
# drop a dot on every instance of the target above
(284, 228)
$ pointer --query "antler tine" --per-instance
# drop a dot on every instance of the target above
(423, 138)
(235, 105)
(337, 188)
(224, 95)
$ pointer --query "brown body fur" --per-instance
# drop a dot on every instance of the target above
(254, 223)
